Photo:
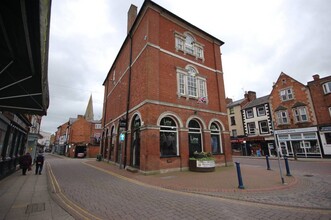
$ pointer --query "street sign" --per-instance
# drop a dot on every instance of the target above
(122, 123)
(122, 137)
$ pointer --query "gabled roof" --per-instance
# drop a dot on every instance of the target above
(298, 104)
(72, 120)
(287, 76)
(280, 108)
(235, 103)
(256, 102)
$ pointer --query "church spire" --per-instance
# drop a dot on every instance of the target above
(89, 110)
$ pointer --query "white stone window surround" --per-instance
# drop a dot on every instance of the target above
(249, 113)
(282, 117)
(300, 114)
(251, 128)
(186, 43)
(286, 94)
(260, 110)
(327, 87)
(264, 128)
(182, 84)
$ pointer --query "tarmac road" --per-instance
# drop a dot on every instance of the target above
(88, 192)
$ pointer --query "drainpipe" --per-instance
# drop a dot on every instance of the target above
(102, 142)
(128, 103)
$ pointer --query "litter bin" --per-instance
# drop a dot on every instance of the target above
(99, 157)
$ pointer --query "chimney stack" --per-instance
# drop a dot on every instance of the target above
(228, 101)
(132, 14)
(316, 77)
(250, 96)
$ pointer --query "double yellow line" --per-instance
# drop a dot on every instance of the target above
(74, 208)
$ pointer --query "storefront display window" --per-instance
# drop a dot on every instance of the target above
(168, 137)
(328, 138)
(3, 129)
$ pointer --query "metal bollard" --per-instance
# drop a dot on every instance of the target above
(287, 167)
(268, 164)
(241, 185)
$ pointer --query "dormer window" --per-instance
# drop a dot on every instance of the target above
(188, 44)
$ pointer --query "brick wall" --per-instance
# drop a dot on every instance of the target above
(322, 101)
(154, 89)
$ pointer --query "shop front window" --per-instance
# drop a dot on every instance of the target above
(215, 139)
(328, 138)
(3, 129)
(194, 137)
(168, 137)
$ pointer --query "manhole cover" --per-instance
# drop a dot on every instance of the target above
(35, 207)
(308, 175)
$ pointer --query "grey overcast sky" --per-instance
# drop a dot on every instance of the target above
(262, 39)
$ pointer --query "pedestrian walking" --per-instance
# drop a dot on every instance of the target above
(25, 163)
(39, 163)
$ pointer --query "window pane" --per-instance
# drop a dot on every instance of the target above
(193, 124)
(327, 87)
(179, 44)
(328, 138)
(260, 111)
(167, 122)
(264, 127)
(192, 86)
(249, 113)
(233, 120)
(251, 128)
(202, 88)
(168, 137)
(215, 144)
(168, 144)
(181, 84)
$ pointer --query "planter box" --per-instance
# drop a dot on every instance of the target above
(202, 165)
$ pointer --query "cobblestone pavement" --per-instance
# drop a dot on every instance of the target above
(107, 195)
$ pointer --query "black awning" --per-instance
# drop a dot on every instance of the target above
(24, 39)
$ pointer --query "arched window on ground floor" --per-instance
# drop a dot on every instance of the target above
(168, 137)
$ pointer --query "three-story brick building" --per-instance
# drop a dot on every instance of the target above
(164, 94)
(294, 116)
(320, 90)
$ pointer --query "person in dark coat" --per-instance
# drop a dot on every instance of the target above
(39, 163)
(25, 162)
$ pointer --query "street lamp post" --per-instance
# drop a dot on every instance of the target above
(245, 148)
(278, 152)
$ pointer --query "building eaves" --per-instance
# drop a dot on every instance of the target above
(235, 103)
(298, 104)
(139, 16)
(280, 108)
(257, 102)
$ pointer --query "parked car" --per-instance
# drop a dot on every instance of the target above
(80, 155)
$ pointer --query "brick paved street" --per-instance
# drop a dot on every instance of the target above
(106, 194)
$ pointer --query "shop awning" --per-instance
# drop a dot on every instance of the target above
(24, 39)
(255, 138)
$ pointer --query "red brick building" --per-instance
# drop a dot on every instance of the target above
(79, 137)
(164, 94)
(294, 117)
(320, 90)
